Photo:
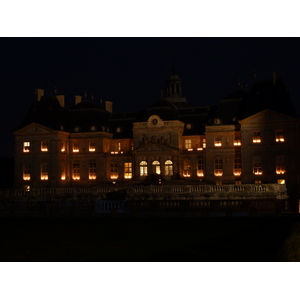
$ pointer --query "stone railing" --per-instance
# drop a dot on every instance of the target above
(160, 192)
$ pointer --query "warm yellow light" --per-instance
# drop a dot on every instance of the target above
(258, 173)
(26, 177)
(113, 177)
(63, 177)
(237, 173)
(256, 140)
(92, 149)
(218, 144)
(44, 149)
(44, 177)
(280, 172)
(76, 177)
(199, 149)
(200, 173)
(237, 143)
(281, 181)
(218, 174)
(190, 149)
(92, 177)
(186, 175)
(280, 139)
(75, 150)
(129, 176)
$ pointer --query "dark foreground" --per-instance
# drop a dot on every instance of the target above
(117, 239)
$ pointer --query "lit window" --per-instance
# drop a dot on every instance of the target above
(204, 143)
(76, 171)
(281, 181)
(26, 172)
(44, 146)
(168, 168)
(188, 144)
(218, 141)
(63, 173)
(76, 147)
(132, 147)
(279, 136)
(128, 170)
(237, 166)
(256, 137)
(237, 139)
(186, 168)
(92, 147)
(63, 147)
(143, 168)
(26, 147)
(218, 167)
(280, 164)
(156, 165)
(92, 173)
(44, 171)
(200, 169)
(114, 174)
(257, 165)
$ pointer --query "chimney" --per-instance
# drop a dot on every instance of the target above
(108, 106)
(39, 94)
(78, 99)
(274, 78)
(61, 100)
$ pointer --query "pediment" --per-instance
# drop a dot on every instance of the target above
(34, 128)
(267, 116)
(153, 147)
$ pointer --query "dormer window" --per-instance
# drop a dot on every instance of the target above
(44, 146)
(26, 147)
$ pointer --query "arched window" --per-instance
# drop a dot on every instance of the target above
(143, 168)
(156, 163)
(168, 168)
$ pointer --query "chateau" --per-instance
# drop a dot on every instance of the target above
(251, 137)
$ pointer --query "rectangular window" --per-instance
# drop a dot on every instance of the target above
(131, 147)
(280, 164)
(114, 174)
(128, 170)
(188, 144)
(92, 171)
(279, 136)
(26, 172)
(237, 166)
(26, 147)
(257, 165)
(143, 168)
(76, 147)
(218, 167)
(200, 169)
(204, 143)
(237, 139)
(63, 173)
(92, 146)
(76, 172)
(218, 141)
(44, 171)
(186, 168)
(63, 147)
(256, 137)
(44, 146)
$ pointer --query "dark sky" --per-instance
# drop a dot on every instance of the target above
(130, 72)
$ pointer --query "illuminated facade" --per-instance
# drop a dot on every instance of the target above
(250, 137)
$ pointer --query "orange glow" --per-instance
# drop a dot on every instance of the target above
(26, 176)
(75, 150)
(256, 140)
(26, 146)
(218, 144)
(92, 176)
(63, 177)
(44, 177)
(200, 173)
(281, 139)
(92, 149)
(280, 172)
(199, 149)
(186, 175)
(281, 181)
(44, 146)
(128, 176)
(190, 149)
(113, 177)
(237, 143)
(258, 172)
(218, 174)
(204, 143)
(76, 177)
(237, 173)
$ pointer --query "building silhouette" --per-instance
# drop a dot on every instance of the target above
(251, 137)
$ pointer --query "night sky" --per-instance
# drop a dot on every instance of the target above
(131, 72)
